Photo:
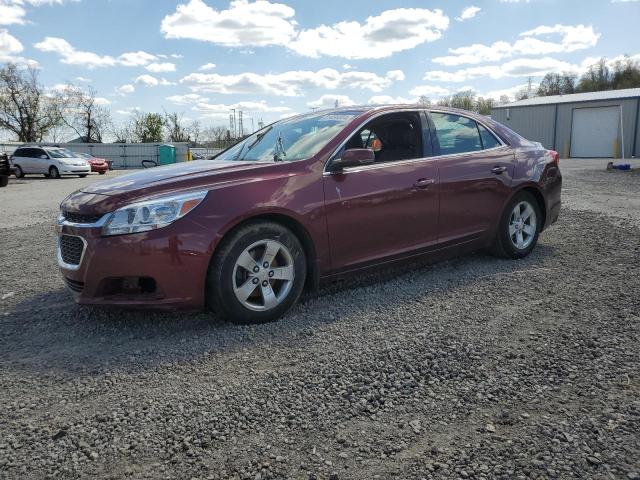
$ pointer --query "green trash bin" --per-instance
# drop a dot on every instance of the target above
(166, 154)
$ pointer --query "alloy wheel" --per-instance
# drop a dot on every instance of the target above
(522, 225)
(263, 275)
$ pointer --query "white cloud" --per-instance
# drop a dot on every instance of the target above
(261, 23)
(161, 67)
(12, 14)
(147, 80)
(509, 92)
(188, 99)
(388, 99)
(290, 83)
(101, 101)
(83, 80)
(72, 56)
(9, 47)
(223, 110)
(136, 59)
(378, 37)
(244, 23)
(429, 91)
(468, 13)
(572, 38)
(521, 67)
(126, 89)
(207, 66)
(329, 101)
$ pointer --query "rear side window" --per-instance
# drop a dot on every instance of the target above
(488, 139)
(456, 134)
(21, 152)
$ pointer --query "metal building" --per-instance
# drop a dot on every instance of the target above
(582, 125)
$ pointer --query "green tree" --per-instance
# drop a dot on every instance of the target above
(147, 127)
(557, 84)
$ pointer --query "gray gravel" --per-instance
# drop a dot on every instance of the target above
(474, 368)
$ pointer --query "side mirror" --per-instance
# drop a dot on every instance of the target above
(44, 157)
(354, 158)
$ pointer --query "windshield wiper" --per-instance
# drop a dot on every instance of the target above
(280, 154)
(258, 139)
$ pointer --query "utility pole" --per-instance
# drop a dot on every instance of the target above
(240, 125)
(231, 134)
(235, 129)
(252, 127)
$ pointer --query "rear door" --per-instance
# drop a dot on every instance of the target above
(475, 170)
(23, 157)
(385, 209)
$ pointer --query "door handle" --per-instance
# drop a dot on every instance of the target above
(498, 170)
(424, 183)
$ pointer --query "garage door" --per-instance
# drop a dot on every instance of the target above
(594, 131)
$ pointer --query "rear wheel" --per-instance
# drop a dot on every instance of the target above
(519, 227)
(17, 171)
(257, 274)
(102, 173)
(53, 172)
(4, 181)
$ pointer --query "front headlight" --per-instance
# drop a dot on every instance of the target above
(152, 214)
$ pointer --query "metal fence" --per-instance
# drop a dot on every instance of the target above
(123, 155)
(206, 152)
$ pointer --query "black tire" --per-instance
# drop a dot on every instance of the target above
(4, 181)
(17, 171)
(220, 294)
(503, 245)
(101, 173)
(53, 172)
(83, 175)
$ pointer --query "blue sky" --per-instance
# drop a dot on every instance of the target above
(273, 59)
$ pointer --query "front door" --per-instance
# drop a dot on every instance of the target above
(388, 208)
(475, 171)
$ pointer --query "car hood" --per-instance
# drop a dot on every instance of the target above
(108, 195)
(158, 176)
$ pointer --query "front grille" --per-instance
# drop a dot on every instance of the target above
(71, 249)
(74, 285)
(79, 218)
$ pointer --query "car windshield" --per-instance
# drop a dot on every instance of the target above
(83, 155)
(61, 153)
(290, 140)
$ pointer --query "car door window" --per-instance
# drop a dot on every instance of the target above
(456, 134)
(488, 139)
(393, 137)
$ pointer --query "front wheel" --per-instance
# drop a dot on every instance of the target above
(83, 175)
(17, 171)
(54, 173)
(257, 274)
(519, 227)
(102, 173)
(4, 181)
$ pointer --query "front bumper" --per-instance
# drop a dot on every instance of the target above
(176, 258)
(99, 168)
(74, 170)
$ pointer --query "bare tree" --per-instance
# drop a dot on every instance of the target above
(176, 130)
(84, 115)
(195, 131)
(25, 110)
(123, 133)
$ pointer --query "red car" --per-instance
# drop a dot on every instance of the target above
(307, 199)
(99, 165)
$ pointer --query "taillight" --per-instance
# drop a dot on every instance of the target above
(555, 156)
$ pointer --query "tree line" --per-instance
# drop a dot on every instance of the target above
(31, 114)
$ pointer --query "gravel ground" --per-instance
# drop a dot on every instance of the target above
(473, 368)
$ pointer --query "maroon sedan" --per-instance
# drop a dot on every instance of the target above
(307, 199)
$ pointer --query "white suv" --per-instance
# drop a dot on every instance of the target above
(52, 162)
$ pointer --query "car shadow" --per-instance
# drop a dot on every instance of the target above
(50, 333)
